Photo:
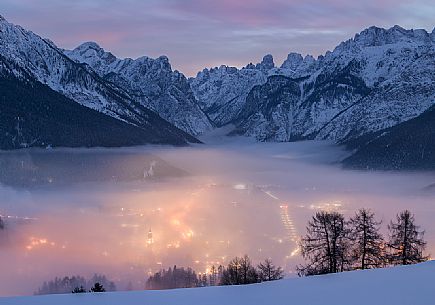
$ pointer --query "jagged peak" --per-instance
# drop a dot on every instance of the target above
(309, 58)
(2, 19)
(89, 45)
(397, 27)
(163, 58)
(267, 63)
(374, 36)
(293, 61)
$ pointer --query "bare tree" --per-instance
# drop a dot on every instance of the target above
(406, 242)
(213, 276)
(325, 245)
(267, 271)
(239, 271)
(367, 242)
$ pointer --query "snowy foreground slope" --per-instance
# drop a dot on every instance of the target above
(400, 285)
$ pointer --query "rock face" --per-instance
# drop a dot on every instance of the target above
(222, 92)
(270, 109)
(29, 59)
(376, 80)
(151, 82)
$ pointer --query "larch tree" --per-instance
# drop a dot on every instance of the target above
(267, 271)
(326, 244)
(367, 242)
(406, 243)
(239, 271)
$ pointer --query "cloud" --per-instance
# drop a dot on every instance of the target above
(202, 33)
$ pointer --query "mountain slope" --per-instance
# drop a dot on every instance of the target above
(149, 81)
(269, 110)
(397, 66)
(30, 56)
(32, 114)
(222, 92)
(409, 145)
(402, 285)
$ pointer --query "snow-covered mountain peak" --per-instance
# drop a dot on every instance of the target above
(92, 54)
(375, 36)
(267, 63)
(89, 45)
(2, 19)
(163, 58)
(164, 63)
(293, 61)
(152, 81)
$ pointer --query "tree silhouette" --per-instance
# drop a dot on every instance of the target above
(325, 245)
(239, 272)
(79, 290)
(267, 271)
(367, 242)
(98, 288)
(406, 242)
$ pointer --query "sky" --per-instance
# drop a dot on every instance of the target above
(195, 34)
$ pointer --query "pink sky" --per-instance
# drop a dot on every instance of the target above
(204, 33)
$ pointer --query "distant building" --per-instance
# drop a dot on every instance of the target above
(150, 239)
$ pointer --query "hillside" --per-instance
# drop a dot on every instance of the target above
(409, 145)
(151, 82)
(403, 285)
(45, 73)
(33, 115)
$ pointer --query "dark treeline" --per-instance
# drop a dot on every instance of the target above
(2, 223)
(173, 278)
(239, 271)
(77, 284)
(333, 244)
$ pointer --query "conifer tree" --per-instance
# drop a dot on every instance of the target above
(325, 245)
(267, 271)
(239, 272)
(406, 243)
(367, 242)
(79, 290)
(98, 288)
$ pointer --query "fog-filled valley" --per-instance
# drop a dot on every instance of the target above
(129, 212)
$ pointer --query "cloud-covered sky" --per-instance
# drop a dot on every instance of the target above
(204, 33)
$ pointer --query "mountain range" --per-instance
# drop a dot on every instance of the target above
(373, 93)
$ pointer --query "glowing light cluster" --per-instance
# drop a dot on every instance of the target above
(40, 242)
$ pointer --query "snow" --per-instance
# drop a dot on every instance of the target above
(152, 81)
(399, 285)
(395, 65)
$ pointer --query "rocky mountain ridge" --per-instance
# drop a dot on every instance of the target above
(376, 80)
